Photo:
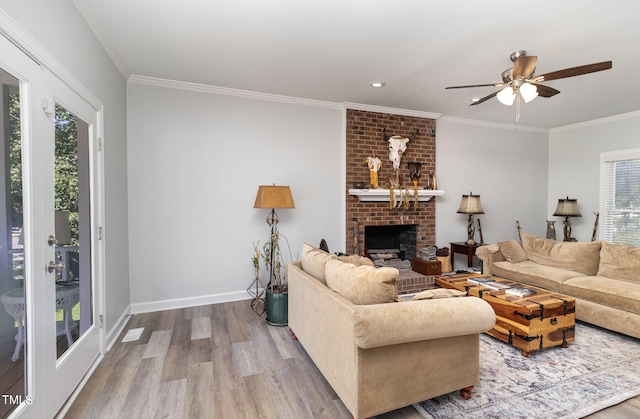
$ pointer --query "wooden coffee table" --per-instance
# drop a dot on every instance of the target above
(531, 323)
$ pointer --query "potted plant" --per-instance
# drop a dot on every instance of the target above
(277, 298)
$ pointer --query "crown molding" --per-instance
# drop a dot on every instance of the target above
(247, 94)
(600, 121)
(498, 125)
(388, 110)
(96, 27)
(204, 88)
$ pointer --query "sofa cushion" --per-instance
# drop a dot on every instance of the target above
(362, 284)
(583, 257)
(620, 261)
(314, 260)
(513, 251)
(610, 292)
(532, 273)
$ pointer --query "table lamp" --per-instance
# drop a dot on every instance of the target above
(567, 208)
(470, 204)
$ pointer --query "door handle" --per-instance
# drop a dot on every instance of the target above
(52, 266)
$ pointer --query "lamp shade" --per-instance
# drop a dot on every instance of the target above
(470, 204)
(272, 196)
(506, 96)
(567, 208)
(528, 92)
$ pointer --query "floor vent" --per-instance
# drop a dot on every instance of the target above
(133, 334)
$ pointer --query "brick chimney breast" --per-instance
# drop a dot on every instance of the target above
(363, 138)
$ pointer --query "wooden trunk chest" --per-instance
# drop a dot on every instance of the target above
(534, 322)
(426, 267)
(542, 320)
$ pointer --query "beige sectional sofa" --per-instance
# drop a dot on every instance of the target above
(378, 354)
(604, 278)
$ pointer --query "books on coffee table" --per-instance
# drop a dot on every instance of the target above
(489, 283)
(520, 291)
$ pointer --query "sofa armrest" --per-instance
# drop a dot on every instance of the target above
(489, 254)
(412, 321)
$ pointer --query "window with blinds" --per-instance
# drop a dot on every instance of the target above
(620, 197)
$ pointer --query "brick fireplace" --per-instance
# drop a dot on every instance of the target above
(363, 139)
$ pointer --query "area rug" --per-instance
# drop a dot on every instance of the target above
(599, 369)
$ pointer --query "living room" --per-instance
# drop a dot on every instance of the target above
(183, 161)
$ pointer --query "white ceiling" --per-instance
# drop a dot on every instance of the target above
(331, 50)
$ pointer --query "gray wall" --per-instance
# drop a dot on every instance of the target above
(505, 165)
(574, 164)
(196, 160)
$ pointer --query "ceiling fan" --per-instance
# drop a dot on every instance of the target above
(521, 82)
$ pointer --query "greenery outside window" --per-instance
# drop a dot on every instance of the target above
(620, 197)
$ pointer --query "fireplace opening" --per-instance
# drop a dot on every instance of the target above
(397, 239)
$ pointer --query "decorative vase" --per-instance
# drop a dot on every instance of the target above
(277, 308)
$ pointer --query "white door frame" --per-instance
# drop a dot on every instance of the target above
(33, 127)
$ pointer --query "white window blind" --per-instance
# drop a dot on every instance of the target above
(620, 195)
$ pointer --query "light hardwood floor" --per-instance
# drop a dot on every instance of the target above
(220, 361)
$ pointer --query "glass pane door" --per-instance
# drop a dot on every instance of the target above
(72, 228)
(71, 174)
(12, 318)
(22, 308)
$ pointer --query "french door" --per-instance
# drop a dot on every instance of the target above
(50, 264)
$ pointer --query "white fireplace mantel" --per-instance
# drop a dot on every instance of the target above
(382, 195)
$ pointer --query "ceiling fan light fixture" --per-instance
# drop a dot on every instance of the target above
(506, 96)
(528, 92)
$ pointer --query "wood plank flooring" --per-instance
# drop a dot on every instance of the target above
(220, 361)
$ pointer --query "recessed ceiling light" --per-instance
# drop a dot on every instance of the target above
(378, 84)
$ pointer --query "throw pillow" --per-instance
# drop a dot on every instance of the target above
(620, 261)
(362, 284)
(313, 261)
(583, 257)
(513, 251)
(438, 293)
(356, 260)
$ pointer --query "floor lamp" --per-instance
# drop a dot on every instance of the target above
(271, 197)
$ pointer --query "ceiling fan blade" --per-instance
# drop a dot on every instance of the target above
(574, 71)
(484, 99)
(476, 85)
(546, 91)
(524, 66)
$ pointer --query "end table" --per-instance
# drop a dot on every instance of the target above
(465, 249)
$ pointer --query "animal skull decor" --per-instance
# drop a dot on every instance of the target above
(397, 146)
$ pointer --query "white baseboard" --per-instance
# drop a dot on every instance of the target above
(138, 308)
(115, 331)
